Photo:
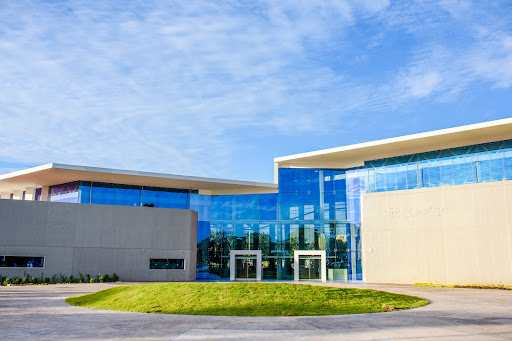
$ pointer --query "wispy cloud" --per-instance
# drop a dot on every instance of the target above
(167, 86)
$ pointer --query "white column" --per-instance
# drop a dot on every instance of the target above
(30, 193)
(17, 195)
(44, 193)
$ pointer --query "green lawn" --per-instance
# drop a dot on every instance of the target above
(244, 299)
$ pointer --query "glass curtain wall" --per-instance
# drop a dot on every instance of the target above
(315, 209)
(130, 195)
(465, 165)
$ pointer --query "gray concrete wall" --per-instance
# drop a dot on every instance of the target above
(85, 238)
(447, 235)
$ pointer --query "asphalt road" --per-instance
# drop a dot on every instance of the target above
(40, 313)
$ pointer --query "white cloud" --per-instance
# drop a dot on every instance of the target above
(166, 86)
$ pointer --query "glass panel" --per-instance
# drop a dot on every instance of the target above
(412, 176)
(401, 177)
(446, 172)
(302, 180)
(84, 195)
(483, 167)
(286, 180)
(172, 264)
(245, 267)
(339, 181)
(496, 163)
(507, 161)
(310, 267)
(21, 262)
(278, 268)
(287, 206)
(65, 193)
(252, 206)
(390, 178)
(268, 206)
(328, 181)
(434, 170)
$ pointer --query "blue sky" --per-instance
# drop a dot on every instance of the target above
(219, 89)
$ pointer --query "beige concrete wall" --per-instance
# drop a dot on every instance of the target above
(447, 235)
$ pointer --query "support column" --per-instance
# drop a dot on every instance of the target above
(17, 195)
(30, 193)
(44, 193)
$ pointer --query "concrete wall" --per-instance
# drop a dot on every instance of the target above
(83, 238)
(448, 235)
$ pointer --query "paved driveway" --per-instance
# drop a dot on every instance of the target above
(40, 313)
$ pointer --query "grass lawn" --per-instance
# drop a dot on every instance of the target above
(244, 299)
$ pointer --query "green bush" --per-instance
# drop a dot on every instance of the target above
(63, 278)
(56, 279)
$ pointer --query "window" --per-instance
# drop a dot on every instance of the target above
(173, 264)
(21, 262)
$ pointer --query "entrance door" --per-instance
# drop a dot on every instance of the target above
(245, 265)
(310, 265)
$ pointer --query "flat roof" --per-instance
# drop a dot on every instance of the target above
(354, 155)
(56, 173)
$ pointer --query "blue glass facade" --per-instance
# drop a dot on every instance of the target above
(315, 209)
(456, 166)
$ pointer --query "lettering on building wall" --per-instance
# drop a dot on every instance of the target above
(397, 213)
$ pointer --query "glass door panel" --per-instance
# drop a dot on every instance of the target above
(245, 267)
(309, 267)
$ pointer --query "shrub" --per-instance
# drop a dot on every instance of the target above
(101, 278)
(25, 278)
(88, 278)
(41, 278)
(7, 281)
(47, 280)
(115, 278)
(72, 279)
(93, 280)
(15, 280)
(63, 278)
(55, 279)
(2, 279)
(81, 278)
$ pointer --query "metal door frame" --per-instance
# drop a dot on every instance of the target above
(232, 264)
(323, 262)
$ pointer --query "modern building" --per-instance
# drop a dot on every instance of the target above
(430, 207)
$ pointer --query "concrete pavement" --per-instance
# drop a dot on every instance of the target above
(40, 313)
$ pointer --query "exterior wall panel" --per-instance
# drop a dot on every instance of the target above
(447, 235)
(92, 239)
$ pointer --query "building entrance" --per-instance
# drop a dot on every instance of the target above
(245, 265)
(310, 265)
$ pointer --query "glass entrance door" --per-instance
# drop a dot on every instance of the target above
(310, 267)
(245, 267)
